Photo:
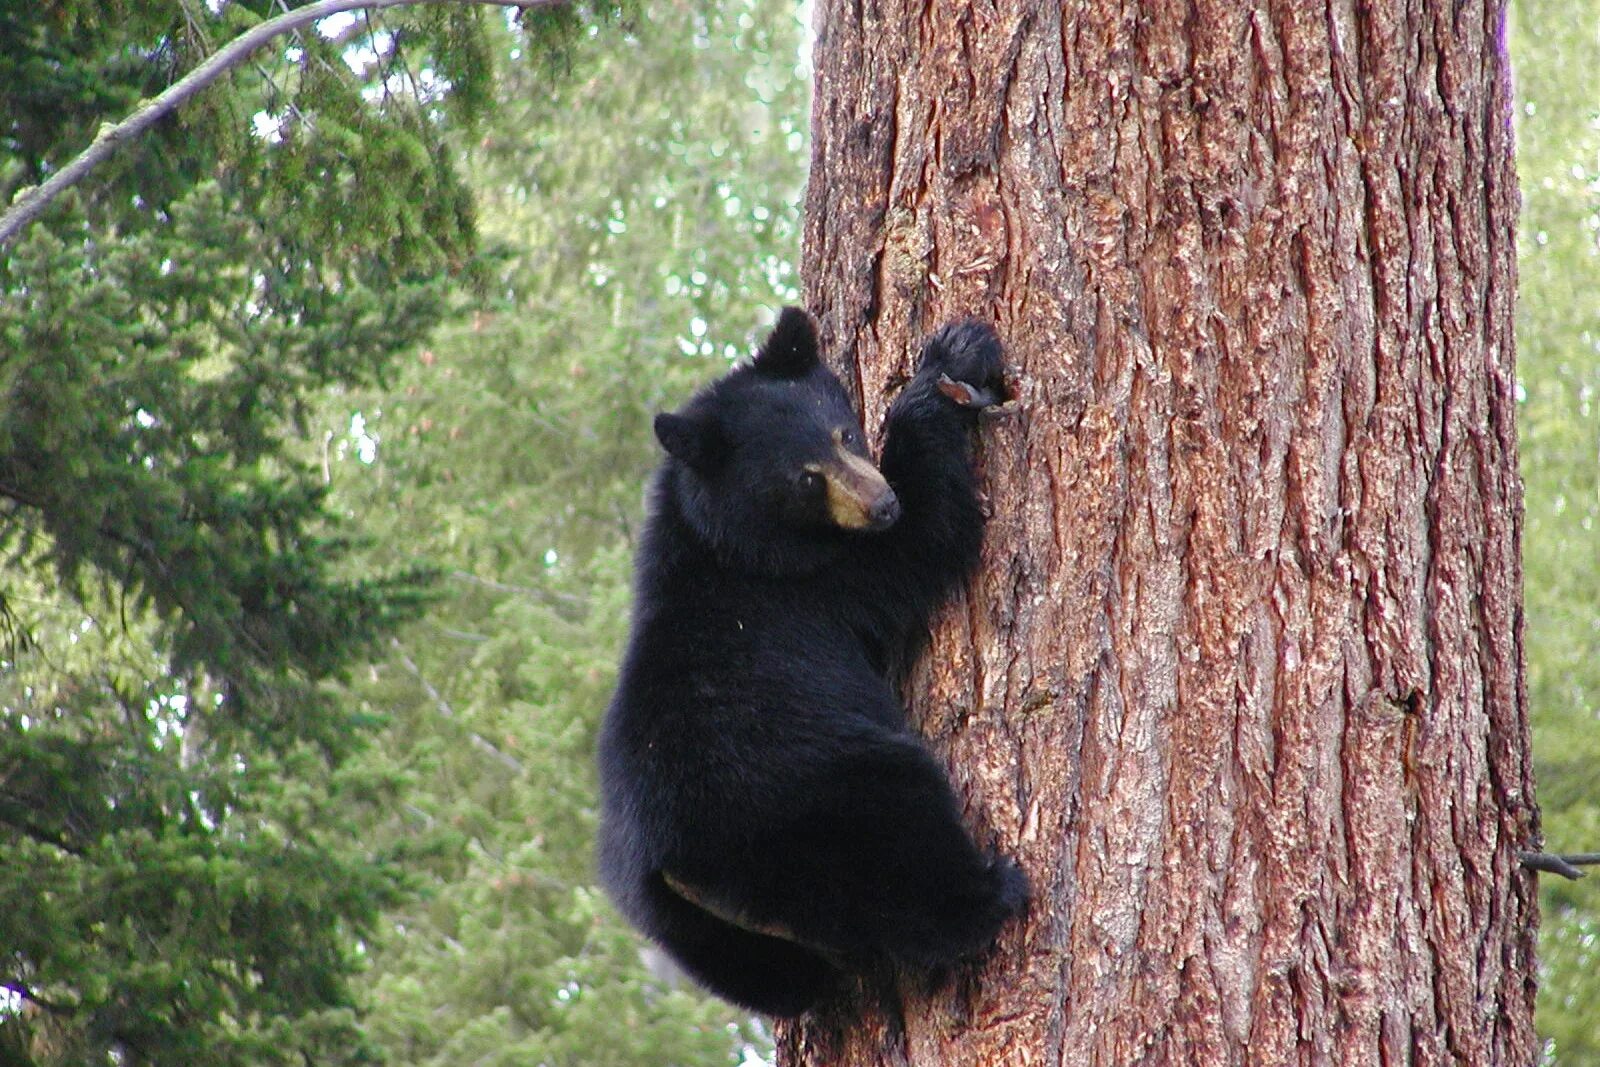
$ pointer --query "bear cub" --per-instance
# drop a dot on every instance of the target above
(767, 816)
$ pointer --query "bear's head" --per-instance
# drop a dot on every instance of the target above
(768, 464)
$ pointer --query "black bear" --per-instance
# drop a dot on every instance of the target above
(767, 816)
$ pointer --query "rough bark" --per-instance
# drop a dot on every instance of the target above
(1241, 680)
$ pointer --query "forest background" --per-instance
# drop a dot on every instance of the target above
(324, 419)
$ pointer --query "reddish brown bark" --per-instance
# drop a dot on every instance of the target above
(1241, 680)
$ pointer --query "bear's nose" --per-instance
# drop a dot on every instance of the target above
(884, 511)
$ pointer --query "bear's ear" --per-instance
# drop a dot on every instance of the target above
(693, 439)
(791, 349)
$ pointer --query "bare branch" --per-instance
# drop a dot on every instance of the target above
(26, 993)
(31, 202)
(1564, 865)
(483, 744)
(548, 596)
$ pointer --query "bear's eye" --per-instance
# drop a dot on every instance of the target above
(810, 481)
(848, 436)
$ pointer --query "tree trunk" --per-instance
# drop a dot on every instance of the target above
(1241, 679)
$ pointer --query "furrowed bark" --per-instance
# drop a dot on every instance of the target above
(1241, 679)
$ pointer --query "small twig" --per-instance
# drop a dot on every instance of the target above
(549, 596)
(1565, 865)
(483, 744)
(30, 203)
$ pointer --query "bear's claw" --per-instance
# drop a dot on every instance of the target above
(965, 394)
(964, 357)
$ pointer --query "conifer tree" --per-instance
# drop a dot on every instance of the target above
(640, 222)
(1241, 679)
(179, 882)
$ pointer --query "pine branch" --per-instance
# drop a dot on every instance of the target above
(31, 202)
(28, 994)
(29, 828)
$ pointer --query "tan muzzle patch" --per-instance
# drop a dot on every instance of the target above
(858, 496)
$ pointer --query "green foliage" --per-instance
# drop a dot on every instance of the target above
(65, 68)
(143, 435)
(1558, 338)
(182, 873)
(638, 225)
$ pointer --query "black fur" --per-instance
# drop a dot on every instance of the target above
(767, 816)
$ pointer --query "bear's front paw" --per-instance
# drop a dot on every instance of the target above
(963, 359)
